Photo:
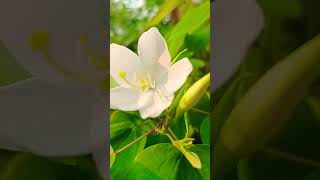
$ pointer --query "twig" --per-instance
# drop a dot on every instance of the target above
(135, 141)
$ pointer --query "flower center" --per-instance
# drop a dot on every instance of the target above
(142, 82)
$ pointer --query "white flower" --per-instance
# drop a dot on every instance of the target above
(148, 81)
(236, 23)
(50, 114)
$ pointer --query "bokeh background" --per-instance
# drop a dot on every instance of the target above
(293, 153)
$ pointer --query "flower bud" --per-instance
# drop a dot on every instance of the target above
(262, 112)
(193, 94)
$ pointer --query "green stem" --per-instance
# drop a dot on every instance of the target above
(186, 122)
(170, 137)
(200, 111)
(172, 134)
(177, 56)
(135, 141)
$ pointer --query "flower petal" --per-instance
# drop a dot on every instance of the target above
(125, 99)
(46, 118)
(155, 105)
(152, 49)
(236, 24)
(64, 21)
(123, 59)
(178, 74)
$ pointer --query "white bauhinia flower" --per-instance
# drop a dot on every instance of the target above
(236, 23)
(50, 113)
(148, 81)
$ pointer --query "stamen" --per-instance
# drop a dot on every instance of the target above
(122, 74)
(143, 83)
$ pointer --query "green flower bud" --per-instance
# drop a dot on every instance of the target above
(264, 109)
(193, 94)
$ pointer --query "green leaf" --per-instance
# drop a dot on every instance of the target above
(199, 40)
(205, 130)
(120, 122)
(163, 11)
(168, 162)
(124, 165)
(188, 24)
(197, 63)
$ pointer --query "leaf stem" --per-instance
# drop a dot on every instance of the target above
(200, 111)
(172, 134)
(152, 130)
(186, 121)
(177, 56)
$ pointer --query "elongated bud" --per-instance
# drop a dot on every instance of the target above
(193, 94)
(263, 110)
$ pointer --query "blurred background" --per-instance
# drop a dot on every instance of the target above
(295, 152)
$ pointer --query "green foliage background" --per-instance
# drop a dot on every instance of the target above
(293, 153)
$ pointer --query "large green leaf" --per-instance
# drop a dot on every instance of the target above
(119, 123)
(199, 40)
(166, 161)
(205, 130)
(163, 11)
(124, 165)
(188, 24)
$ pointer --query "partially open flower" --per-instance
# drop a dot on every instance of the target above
(148, 81)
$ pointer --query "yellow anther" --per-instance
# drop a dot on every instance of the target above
(143, 83)
(122, 74)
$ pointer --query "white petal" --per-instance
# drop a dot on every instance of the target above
(123, 59)
(178, 74)
(152, 48)
(46, 118)
(156, 105)
(125, 99)
(236, 24)
(99, 135)
(64, 20)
